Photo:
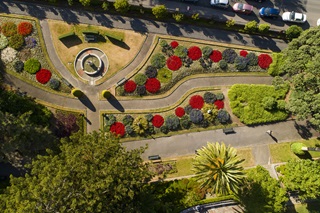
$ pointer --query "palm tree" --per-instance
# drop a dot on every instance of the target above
(218, 168)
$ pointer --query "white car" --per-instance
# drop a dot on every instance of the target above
(220, 3)
(294, 17)
(318, 22)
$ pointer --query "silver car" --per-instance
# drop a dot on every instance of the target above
(294, 17)
(220, 3)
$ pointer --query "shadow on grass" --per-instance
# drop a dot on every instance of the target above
(71, 41)
(119, 43)
(306, 156)
(115, 103)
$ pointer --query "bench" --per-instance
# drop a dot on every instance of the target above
(89, 37)
(66, 83)
(228, 130)
(119, 83)
(154, 157)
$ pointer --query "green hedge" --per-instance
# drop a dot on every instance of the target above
(217, 199)
(116, 36)
(91, 32)
(296, 148)
(66, 35)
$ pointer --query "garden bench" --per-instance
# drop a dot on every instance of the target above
(154, 158)
(66, 83)
(89, 37)
(121, 81)
(228, 130)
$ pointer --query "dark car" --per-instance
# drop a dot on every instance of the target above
(269, 12)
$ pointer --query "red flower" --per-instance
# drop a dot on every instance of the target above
(157, 121)
(179, 112)
(196, 102)
(216, 56)
(174, 63)
(194, 53)
(152, 85)
(118, 129)
(24, 28)
(243, 53)
(219, 104)
(43, 76)
(174, 44)
(130, 86)
(264, 60)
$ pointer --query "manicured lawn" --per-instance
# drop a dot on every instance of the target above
(281, 152)
(305, 208)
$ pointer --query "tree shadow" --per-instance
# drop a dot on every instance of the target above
(4, 8)
(86, 101)
(20, 6)
(115, 103)
(306, 156)
(119, 43)
(173, 29)
(103, 20)
(35, 11)
(138, 26)
(71, 41)
(68, 16)
(303, 130)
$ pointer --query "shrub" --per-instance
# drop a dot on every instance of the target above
(229, 55)
(141, 90)
(121, 6)
(174, 44)
(293, 31)
(223, 64)
(230, 23)
(127, 120)
(152, 85)
(178, 17)
(3, 42)
(251, 26)
(43, 76)
(140, 125)
(185, 122)
(32, 65)
(140, 79)
(163, 43)
(159, 11)
(264, 61)
(216, 56)
(109, 119)
(209, 97)
(281, 104)
(276, 67)
(149, 117)
(18, 66)
(196, 102)
(54, 83)
(206, 52)
(172, 122)
(16, 41)
(296, 148)
(188, 109)
(174, 63)
(243, 53)
(223, 116)
(269, 103)
(30, 42)
(157, 121)
(129, 130)
(194, 53)
(209, 112)
(220, 96)
(195, 16)
(252, 59)
(130, 86)
(9, 29)
(158, 60)
(196, 116)
(264, 28)
(118, 129)
(25, 28)
(77, 93)
(204, 123)
(164, 75)
(164, 129)
(151, 72)
(106, 94)
(240, 63)
(219, 104)
(181, 51)
(179, 112)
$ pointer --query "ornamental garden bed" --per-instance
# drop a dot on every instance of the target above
(173, 60)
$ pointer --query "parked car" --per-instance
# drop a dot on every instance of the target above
(318, 22)
(242, 8)
(294, 17)
(269, 12)
(220, 3)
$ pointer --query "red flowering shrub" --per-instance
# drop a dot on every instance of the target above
(43, 76)
(179, 112)
(130, 86)
(264, 60)
(216, 56)
(243, 53)
(152, 85)
(194, 53)
(118, 128)
(24, 28)
(219, 104)
(174, 44)
(157, 121)
(174, 63)
(196, 102)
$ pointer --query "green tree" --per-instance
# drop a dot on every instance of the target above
(276, 67)
(262, 193)
(251, 26)
(218, 168)
(159, 11)
(122, 6)
(264, 28)
(85, 2)
(92, 173)
(293, 31)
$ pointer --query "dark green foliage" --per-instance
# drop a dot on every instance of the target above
(18, 66)
(251, 26)
(16, 41)
(109, 119)
(279, 83)
(127, 120)
(206, 52)
(129, 130)
(229, 55)
(9, 29)
(121, 6)
(158, 60)
(54, 83)
(269, 103)
(241, 63)
(150, 129)
(209, 97)
(185, 122)
(151, 72)
(196, 116)
(223, 116)
(164, 129)
(276, 67)
(172, 122)
(293, 31)
(163, 43)
(67, 123)
(223, 64)
(296, 148)
(252, 59)
(140, 79)
(220, 96)
(204, 124)
(149, 117)
(141, 90)
(32, 65)
(188, 109)
(181, 51)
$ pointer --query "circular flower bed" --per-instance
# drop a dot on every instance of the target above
(157, 121)
(43, 76)
(130, 86)
(264, 61)
(219, 104)
(118, 128)
(180, 112)
(194, 53)
(216, 56)
(24, 28)
(174, 63)
(174, 44)
(196, 102)
(152, 85)
(243, 53)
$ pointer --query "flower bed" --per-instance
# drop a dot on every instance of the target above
(264, 61)
(179, 112)
(43, 76)
(216, 56)
(25, 28)
(157, 121)
(130, 86)
(174, 44)
(196, 102)
(243, 53)
(118, 128)
(219, 104)
(174, 63)
(152, 85)
(194, 53)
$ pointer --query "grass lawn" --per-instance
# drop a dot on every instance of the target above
(305, 208)
(281, 152)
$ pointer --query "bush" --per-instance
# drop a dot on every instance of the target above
(109, 119)
(130, 86)
(219, 104)
(252, 59)
(157, 121)
(264, 61)
(293, 31)
(229, 55)
(220, 96)
(185, 122)
(194, 53)
(118, 129)
(30, 42)
(195, 16)
(230, 23)
(141, 90)
(216, 56)
(152, 85)
(209, 112)
(3, 42)
(281, 104)
(140, 79)
(43, 76)
(149, 117)
(174, 44)
(196, 116)
(251, 26)
(151, 72)
(9, 29)
(158, 60)
(181, 51)
(54, 83)
(164, 75)
(206, 52)
(204, 124)
(223, 64)
(179, 111)
(172, 122)
(276, 67)
(240, 63)
(25, 28)
(163, 43)
(164, 129)
(121, 6)
(223, 116)
(18, 66)
(188, 109)
(269, 103)
(32, 65)
(106, 94)
(209, 97)
(16, 41)
(296, 148)
(243, 53)
(174, 63)
(264, 28)
(196, 102)
(77, 93)
(140, 125)
(127, 120)
(178, 17)
(159, 11)
(129, 130)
